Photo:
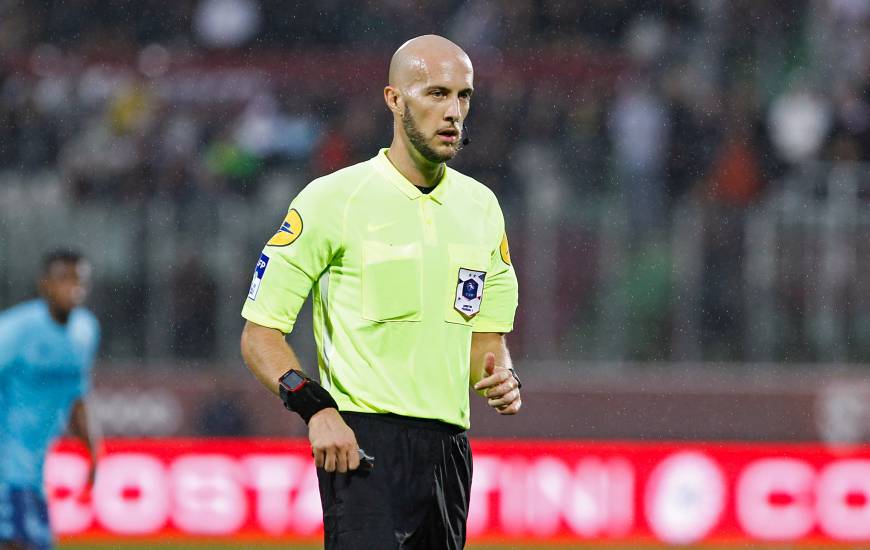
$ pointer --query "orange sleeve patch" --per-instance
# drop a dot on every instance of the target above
(505, 250)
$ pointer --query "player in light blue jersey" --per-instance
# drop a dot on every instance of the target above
(47, 348)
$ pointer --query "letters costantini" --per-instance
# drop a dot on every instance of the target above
(527, 490)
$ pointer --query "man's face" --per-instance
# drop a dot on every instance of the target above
(66, 284)
(435, 109)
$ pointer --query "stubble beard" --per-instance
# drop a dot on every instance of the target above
(418, 140)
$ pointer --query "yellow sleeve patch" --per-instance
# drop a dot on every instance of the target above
(505, 250)
(289, 231)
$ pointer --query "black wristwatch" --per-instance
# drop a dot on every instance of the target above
(293, 380)
(303, 395)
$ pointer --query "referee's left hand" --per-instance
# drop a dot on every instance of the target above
(499, 387)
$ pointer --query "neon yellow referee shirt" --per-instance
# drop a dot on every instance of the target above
(401, 280)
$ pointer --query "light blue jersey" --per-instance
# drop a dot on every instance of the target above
(44, 368)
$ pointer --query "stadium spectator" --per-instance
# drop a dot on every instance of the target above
(132, 105)
(640, 133)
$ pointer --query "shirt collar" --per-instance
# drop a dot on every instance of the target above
(383, 164)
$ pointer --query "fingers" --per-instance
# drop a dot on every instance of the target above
(338, 458)
(341, 460)
(489, 362)
(496, 378)
(501, 389)
(505, 400)
(330, 462)
(353, 458)
(504, 396)
(513, 408)
(333, 444)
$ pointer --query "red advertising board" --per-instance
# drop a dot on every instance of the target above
(545, 490)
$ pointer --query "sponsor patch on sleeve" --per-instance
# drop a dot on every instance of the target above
(505, 251)
(289, 231)
(259, 271)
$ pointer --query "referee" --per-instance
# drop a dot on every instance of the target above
(413, 293)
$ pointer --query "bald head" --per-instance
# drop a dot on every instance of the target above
(419, 58)
(429, 94)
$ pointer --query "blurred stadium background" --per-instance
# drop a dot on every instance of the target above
(686, 187)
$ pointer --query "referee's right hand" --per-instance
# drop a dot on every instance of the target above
(332, 442)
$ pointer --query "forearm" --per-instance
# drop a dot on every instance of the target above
(267, 354)
(81, 427)
(481, 344)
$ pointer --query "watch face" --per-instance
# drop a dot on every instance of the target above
(292, 380)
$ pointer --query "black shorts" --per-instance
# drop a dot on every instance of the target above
(415, 498)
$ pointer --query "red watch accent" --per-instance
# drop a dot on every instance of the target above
(293, 380)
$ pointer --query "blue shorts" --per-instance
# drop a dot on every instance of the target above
(24, 518)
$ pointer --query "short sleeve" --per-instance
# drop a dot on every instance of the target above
(9, 341)
(294, 258)
(500, 290)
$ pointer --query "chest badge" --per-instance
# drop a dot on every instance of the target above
(469, 292)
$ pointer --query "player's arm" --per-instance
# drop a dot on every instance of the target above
(492, 374)
(269, 356)
(81, 427)
(292, 261)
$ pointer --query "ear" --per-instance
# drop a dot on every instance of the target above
(394, 101)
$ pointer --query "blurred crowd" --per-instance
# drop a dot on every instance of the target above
(666, 97)
(637, 103)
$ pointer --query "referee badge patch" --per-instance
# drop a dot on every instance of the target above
(259, 271)
(469, 292)
(289, 231)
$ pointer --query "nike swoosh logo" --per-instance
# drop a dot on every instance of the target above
(378, 226)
